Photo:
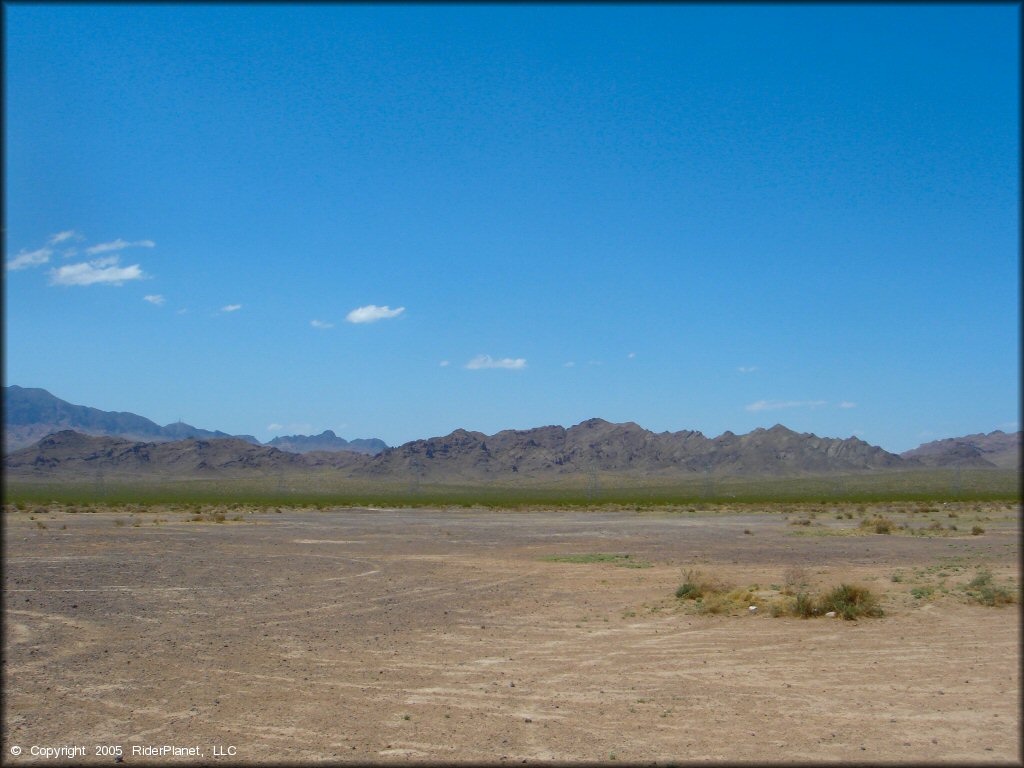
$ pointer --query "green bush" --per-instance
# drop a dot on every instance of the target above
(804, 606)
(850, 602)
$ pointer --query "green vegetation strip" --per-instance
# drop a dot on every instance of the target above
(625, 561)
(317, 489)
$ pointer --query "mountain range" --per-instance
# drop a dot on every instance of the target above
(31, 414)
(996, 449)
(593, 446)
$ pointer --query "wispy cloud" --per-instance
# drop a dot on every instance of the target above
(371, 313)
(118, 245)
(27, 259)
(486, 361)
(105, 270)
(747, 368)
(569, 364)
(631, 355)
(847, 404)
(231, 308)
(154, 298)
(61, 237)
(445, 363)
(775, 405)
(321, 324)
(274, 427)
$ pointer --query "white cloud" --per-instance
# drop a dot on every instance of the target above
(486, 361)
(847, 404)
(321, 324)
(154, 298)
(595, 362)
(182, 311)
(105, 270)
(747, 368)
(231, 308)
(60, 237)
(445, 363)
(119, 245)
(27, 259)
(569, 364)
(631, 355)
(68, 253)
(775, 405)
(274, 427)
(371, 313)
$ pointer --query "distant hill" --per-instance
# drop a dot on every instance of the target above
(996, 449)
(598, 445)
(30, 414)
(542, 453)
(46, 435)
(70, 454)
(327, 441)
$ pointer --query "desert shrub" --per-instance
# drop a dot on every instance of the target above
(850, 602)
(693, 585)
(794, 580)
(977, 530)
(800, 521)
(40, 524)
(119, 522)
(696, 585)
(804, 606)
(982, 579)
(219, 517)
(714, 603)
(935, 525)
(878, 523)
(994, 595)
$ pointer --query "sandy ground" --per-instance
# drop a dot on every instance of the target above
(444, 636)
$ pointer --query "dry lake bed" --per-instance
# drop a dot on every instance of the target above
(437, 635)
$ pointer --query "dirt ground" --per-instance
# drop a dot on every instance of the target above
(445, 636)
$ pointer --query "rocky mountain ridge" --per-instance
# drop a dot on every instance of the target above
(31, 414)
(327, 441)
(597, 445)
(995, 449)
(594, 446)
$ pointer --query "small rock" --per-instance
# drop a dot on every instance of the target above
(752, 609)
(830, 615)
(528, 720)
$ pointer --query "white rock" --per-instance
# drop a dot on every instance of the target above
(752, 609)
(830, 615)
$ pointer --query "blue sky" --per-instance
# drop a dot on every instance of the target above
(691, 217)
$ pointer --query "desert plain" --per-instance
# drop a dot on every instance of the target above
(446, 635)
